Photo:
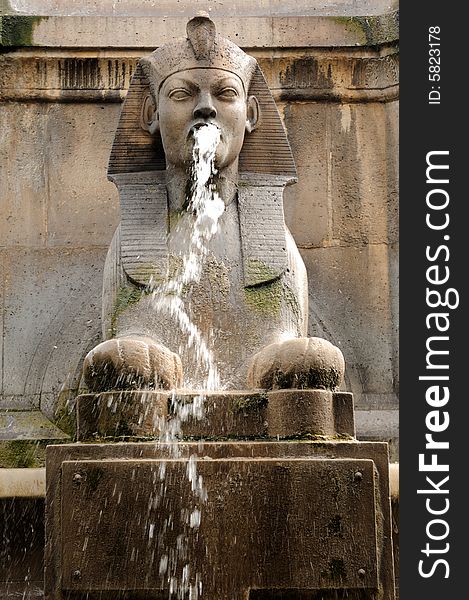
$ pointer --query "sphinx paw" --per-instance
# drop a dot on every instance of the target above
(130, 363)
(298, 363)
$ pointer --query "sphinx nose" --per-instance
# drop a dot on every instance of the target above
(205, 108)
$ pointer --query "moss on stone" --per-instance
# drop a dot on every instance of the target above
(65, 416)
(334, 527)
(17, 30)
(315, 379)
(372, 30)
(264, 299)
(66, 421)
(254, 403)
(336, 570)
(126, 296)
(22, 454)
(259, 270)
(355, 26)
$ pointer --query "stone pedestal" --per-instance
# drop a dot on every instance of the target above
(252, 414)
(286, 511)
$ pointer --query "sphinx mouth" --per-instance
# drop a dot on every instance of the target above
(199, 125)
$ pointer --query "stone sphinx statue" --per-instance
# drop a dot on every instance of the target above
(250, 302)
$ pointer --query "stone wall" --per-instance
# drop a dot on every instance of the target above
(62, 81)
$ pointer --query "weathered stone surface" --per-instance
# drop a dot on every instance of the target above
(307, 202)
(293, 29)
(247, 486)
(299, 75)
(187, 8)
(254, 517)
(309, 413)
(53, 178)
(82, 204)
(303, 363)
(26, 426)
(346, 186)
(120, 414)
(53, 318)
(340, 273)
(363, 176)
(23, 182)
(131, 363)
(254, 414)
(344, 414)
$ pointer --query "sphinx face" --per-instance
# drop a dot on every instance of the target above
(194, 97)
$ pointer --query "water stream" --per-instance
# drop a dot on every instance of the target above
(207, 207)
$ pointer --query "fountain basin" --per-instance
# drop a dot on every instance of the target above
(279, 516)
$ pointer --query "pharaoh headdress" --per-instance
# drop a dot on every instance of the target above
(137, 163)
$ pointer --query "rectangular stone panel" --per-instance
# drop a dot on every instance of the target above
(24, 155)
(359, 319)
(83, 207)
(266, 524)
(307, 213)
(51, 317)
(363, 173)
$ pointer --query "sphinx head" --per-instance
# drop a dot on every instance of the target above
(202, 79)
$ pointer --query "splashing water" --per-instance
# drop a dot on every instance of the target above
(207, 208)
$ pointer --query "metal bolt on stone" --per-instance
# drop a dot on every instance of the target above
(77, 478)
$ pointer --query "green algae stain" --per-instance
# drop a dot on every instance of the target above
(254, 403)
(264, 299)
(126, 296)
(17, 30)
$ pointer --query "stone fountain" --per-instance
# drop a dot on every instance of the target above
(216, 456)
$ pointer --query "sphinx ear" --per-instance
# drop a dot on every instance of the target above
(253, 113)
(149, 115)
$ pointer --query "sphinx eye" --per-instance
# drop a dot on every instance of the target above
(179, 94)
(228, 93)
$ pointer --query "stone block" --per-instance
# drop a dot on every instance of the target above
(349, 305)
(347, 173)
(52, 301)
(254, 414)
(297, 518)
(306, 202)
(271, 27)
(300, 413)
(120, 414)
(24, 155)
(363, 173)
(83, 208)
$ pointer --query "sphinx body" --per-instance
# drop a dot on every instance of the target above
(252, 292)
(235, 321)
